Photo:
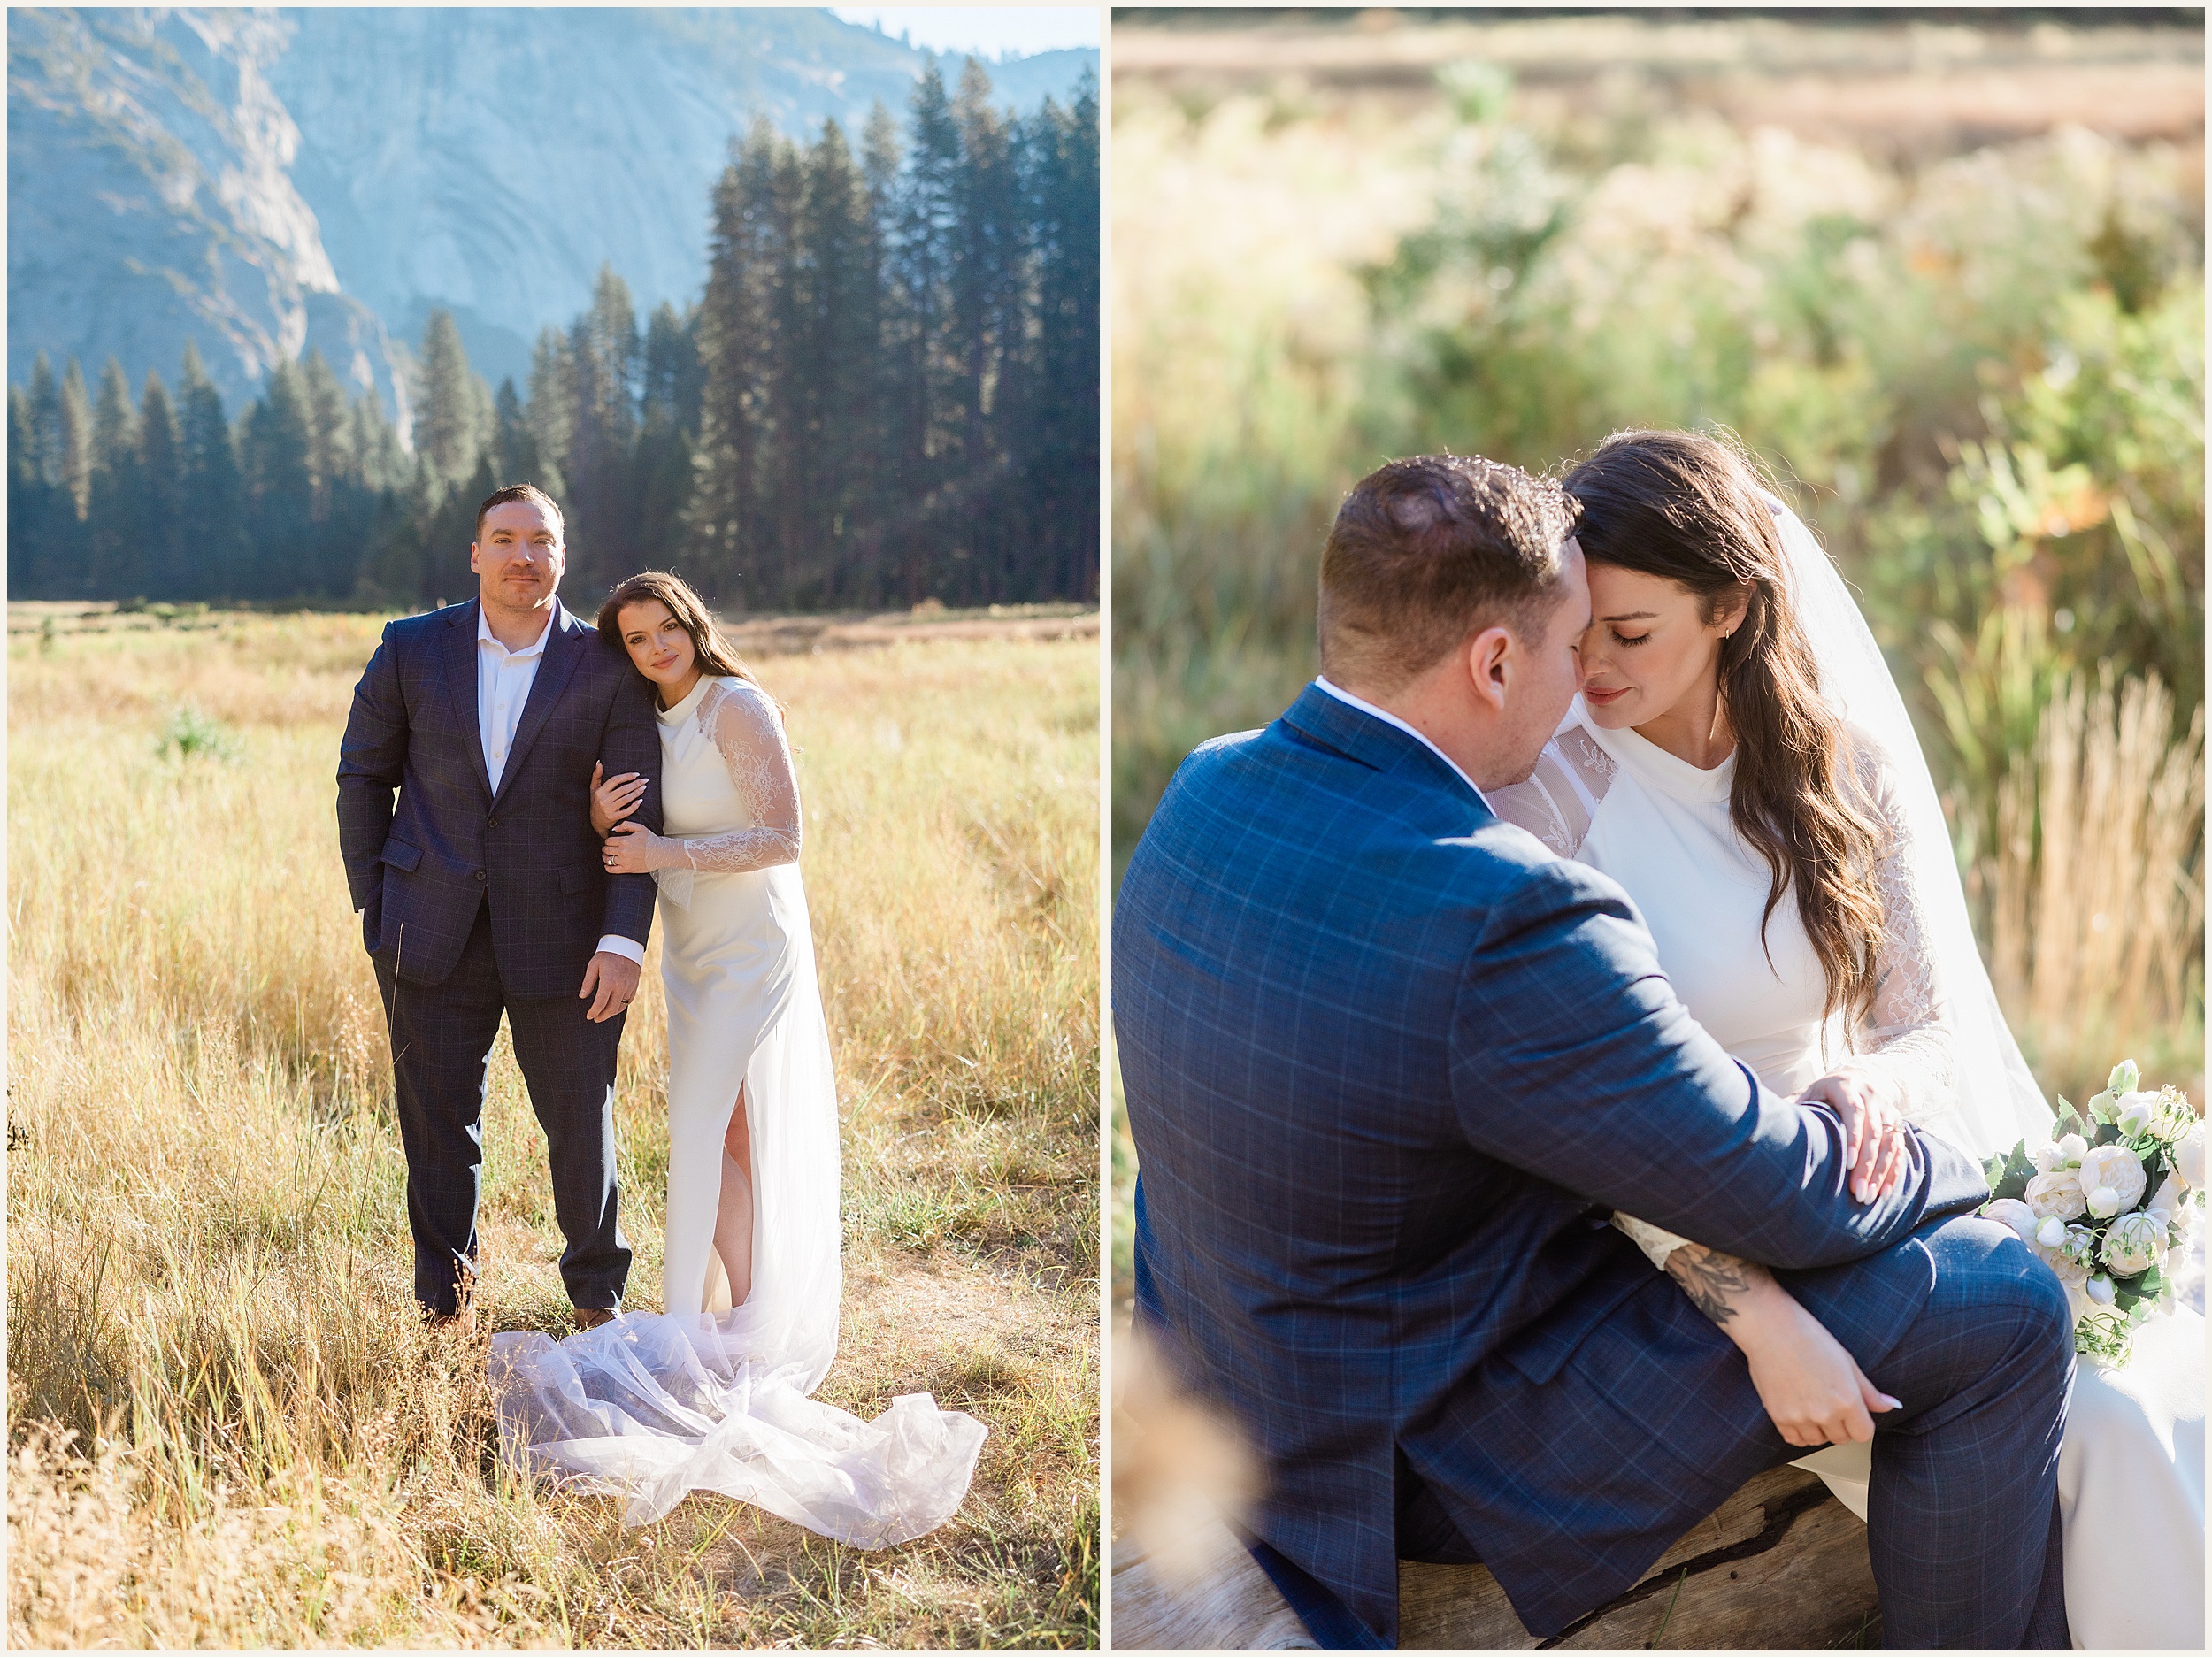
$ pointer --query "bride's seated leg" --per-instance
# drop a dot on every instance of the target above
(734, 1218)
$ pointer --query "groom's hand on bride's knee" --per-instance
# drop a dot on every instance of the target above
(610, 985)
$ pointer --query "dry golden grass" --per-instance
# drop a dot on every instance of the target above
(208, 1258)
(2095, 921)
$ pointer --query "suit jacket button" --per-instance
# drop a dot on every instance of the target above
(491, 822)
(480, 874)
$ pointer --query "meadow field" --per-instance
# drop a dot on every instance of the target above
(1947, 281)
(227, 1427)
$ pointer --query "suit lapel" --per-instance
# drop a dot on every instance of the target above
(563, 649)
(460, 669)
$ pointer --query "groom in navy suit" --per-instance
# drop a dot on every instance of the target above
(1390, 1066)
(482, 892)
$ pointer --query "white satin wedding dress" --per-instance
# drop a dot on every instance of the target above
(2132, 1467)
(705, 1396)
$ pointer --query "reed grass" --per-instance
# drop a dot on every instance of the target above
(227, 1427)
(2097, 887)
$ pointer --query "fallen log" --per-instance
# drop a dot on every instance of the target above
(1780, 1564)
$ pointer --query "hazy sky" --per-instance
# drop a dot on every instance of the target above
(987, 31)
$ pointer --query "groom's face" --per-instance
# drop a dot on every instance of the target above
(518, 555)
(1551, 670)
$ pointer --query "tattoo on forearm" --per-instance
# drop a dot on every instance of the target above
(1711, 1279)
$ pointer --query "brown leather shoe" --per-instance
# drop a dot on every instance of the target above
(592, 1316)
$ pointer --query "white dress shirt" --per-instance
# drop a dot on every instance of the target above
(1387, 717)
(504, 678)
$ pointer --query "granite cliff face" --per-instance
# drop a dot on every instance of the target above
(150, 202)
(264, 181)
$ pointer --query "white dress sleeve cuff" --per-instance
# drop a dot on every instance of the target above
(1656, 1243)
(628, 948)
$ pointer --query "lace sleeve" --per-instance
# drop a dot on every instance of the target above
(748, 732)
(1908, 1035)
(1561, 795)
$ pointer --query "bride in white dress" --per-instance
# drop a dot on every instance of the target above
(1711, 599)
(713, 1394)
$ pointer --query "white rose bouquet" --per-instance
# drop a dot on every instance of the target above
(2103, 1204)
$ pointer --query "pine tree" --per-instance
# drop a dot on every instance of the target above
(928, 419)
(603, 365)
(385, 467)
(983, 279)
(113, 516)
(834, 370)
(668, 414)
(161, 472)
(727, 523)
(214, 495)
(276, 448)
(76, 450)
(551, 409)
(453, 415)
(514, 445)
(30, 498)
(1057, 450)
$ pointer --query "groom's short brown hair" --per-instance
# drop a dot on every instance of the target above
(514, 491)
(1426, 551)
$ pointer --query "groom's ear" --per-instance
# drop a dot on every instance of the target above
(1489, 665)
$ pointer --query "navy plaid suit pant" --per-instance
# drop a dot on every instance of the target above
(1971, 1461)
(441, 1038)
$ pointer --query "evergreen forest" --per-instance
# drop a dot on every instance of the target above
(887, 393)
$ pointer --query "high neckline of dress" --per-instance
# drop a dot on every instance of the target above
(683, 709)
(1657, 769)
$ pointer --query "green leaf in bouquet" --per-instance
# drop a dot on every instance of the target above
(2153, 1171)
(2009, 1175)
(2124, 1077)
(2106, 1132)
(2100, 1108)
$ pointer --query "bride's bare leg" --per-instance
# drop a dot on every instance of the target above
(734, 1218)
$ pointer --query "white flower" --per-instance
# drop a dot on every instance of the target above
(2073, 1276)
(2057, 1194)
(2168, 1201)
(2111, 1180)
(2124, 1077)
(2047, 1159)
(2051, 1233)
(2100, 1290)
(2164, 1115)
(2189, 1156)
(2072, 1149)
(2134, 1243)
(2135, 1113)
(2010, 1211)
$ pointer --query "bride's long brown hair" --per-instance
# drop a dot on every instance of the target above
(1693, 509)
(717, 655)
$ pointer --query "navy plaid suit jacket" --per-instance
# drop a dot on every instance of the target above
(418, 873)
(1389, 1066)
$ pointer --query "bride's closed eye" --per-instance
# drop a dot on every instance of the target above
(1622, 638)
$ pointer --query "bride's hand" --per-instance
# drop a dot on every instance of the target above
(634, 850)
(1873, 1127)
(613, 798)
(1813, 1389)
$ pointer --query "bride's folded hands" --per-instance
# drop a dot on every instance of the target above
(1870, 1103)
(1814, 1391)
(634, 850)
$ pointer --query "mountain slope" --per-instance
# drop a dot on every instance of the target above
(266, 181)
